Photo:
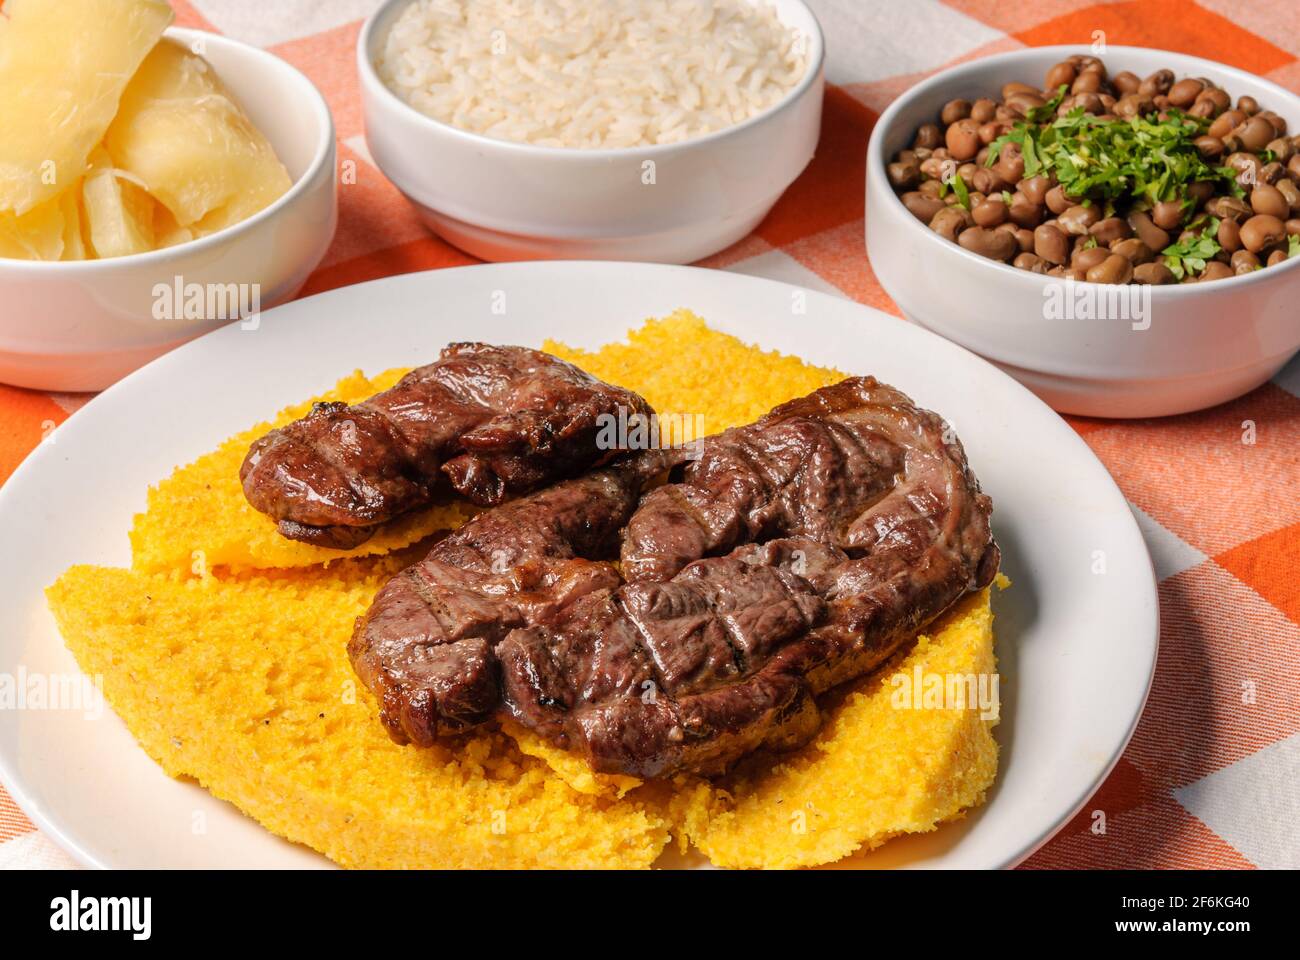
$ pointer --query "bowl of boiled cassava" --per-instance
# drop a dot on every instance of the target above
(155, 183)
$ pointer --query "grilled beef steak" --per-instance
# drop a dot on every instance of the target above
(496, 421)
(796, 553)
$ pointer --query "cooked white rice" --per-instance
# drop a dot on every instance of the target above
(591, 73)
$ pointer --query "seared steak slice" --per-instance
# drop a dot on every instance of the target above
(496, 421)
(532, 560)
(797, 553)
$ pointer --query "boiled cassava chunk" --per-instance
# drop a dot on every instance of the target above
(63, 67)
(181, 135)
(119, 214)
(37, 234)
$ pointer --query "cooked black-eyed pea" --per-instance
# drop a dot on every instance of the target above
(1276, 257)
(1293, 227)
(1167, 214)
(1126, 81)
(990, 212)
(991, 130)
(1291, 193)
(1261, 232)
(1089, 81)
(1184, 92)
(988, 180)
(1025, 213)
(1030, 262)
(1243, 262)
(935, 167)
(1229, 235)
(1035, 189)
(994, 244)
(905, 174)
(1078, 219)
(1114, 269)
(1133, 105)
(1218, 100)
(928, 135)
(1021, 103)
(1201, 191)
(1278, 122)
(1014, 87)
(1085, 259)
(1154, 274)
(1216, 270)
(931, 188)
(1209, 147)
(1282, 148)
(950, 221)
(1269, 200)
(1159, 82)
(1011, 163)
(922, 207)
(1133, 250)
(1110, 229)
(1228, 208)
(1256, 133)
(1057, 201)
(1062, 73)
(1051, 244)
(963, 139)
(1293, 167)
(1225, 123)
(983, 110)
(1087, 102)
(1248, 105)
(1146, 231)
(1247, 166)
(1271, 173)
(1024, 238)
(953, 111)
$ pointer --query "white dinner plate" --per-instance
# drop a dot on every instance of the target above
(1076, 634)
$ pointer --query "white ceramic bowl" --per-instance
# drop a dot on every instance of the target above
(1205, 343)
(82, 325)
(500, 200)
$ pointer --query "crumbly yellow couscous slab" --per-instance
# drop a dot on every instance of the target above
(886, 762)
(244, 684)
(249, 690)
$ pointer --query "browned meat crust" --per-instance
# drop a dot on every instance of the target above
(798, 552)
(496, 421)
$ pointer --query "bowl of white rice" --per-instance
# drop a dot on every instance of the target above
(657, 130)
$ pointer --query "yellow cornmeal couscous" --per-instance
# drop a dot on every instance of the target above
(238, 677)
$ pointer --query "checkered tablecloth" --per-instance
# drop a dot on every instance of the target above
(1212, 777)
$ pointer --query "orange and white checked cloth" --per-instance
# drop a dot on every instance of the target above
(1206, 782)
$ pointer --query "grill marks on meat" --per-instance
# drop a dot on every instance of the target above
(427, 645)
(495, 421)
(797, 553)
